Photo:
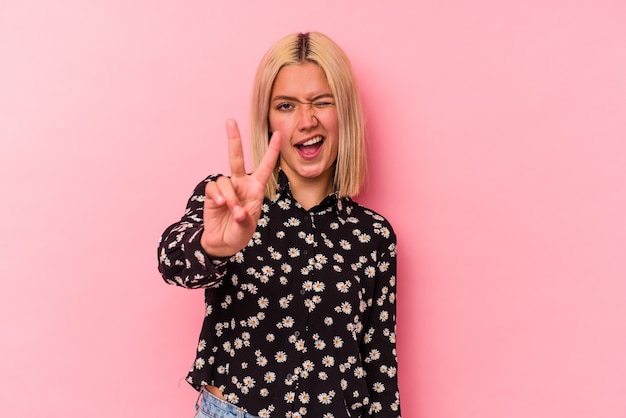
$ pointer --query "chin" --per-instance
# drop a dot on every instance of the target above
(312, 172)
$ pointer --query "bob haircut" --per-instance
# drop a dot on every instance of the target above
(315, 47)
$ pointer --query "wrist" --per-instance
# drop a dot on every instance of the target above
(215, 251)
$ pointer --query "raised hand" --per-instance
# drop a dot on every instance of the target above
(233, 204)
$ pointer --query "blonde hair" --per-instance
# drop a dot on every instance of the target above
(315, 47)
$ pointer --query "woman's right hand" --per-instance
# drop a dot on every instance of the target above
(232, 205)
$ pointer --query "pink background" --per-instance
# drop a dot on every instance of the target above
(498, 148)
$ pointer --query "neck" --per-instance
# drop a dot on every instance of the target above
(310, 192)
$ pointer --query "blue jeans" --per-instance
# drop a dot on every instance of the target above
(210, 406)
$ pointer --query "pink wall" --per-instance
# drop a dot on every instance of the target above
(498, 143)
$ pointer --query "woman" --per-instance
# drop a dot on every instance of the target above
(299, 279)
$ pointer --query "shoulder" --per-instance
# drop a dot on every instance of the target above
(367, 219)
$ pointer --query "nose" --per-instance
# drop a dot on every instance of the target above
(307, 116)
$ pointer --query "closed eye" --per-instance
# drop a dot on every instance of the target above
(322, 104)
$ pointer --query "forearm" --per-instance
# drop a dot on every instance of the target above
(182, 260)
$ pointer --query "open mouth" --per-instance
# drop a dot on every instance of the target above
(310, 147)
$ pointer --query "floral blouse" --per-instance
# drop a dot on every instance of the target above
(301, 322)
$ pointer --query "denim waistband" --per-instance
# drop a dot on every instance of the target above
(213, 407)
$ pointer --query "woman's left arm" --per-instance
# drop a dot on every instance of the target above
(378, 348)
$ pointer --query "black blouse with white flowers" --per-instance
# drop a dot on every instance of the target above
(301, 322)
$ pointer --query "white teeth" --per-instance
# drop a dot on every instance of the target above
(312, 141)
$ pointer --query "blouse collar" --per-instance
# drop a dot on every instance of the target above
(330, 202)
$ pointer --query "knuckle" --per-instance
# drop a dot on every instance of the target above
(222, 181)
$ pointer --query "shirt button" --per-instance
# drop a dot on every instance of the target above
(297, 333)
(302, 291)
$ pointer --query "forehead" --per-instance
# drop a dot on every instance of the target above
(300, 80)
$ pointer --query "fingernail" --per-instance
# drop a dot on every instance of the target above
(240, 213)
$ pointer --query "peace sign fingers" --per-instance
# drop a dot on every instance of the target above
(235, 150)
(266, 167)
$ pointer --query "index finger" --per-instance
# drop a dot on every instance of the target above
(266, 167)
(235, 149)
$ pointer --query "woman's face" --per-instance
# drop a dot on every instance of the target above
(302, 109)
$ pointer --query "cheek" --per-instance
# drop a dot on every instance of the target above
(330, 119)
(277, 124)
(332, 124)
(271, 120)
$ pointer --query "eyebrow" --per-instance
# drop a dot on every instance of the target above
(311, 100)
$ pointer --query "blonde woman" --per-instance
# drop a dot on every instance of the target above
(299, 279)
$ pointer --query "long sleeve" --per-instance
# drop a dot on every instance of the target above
(379, 344)
(182, 260)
